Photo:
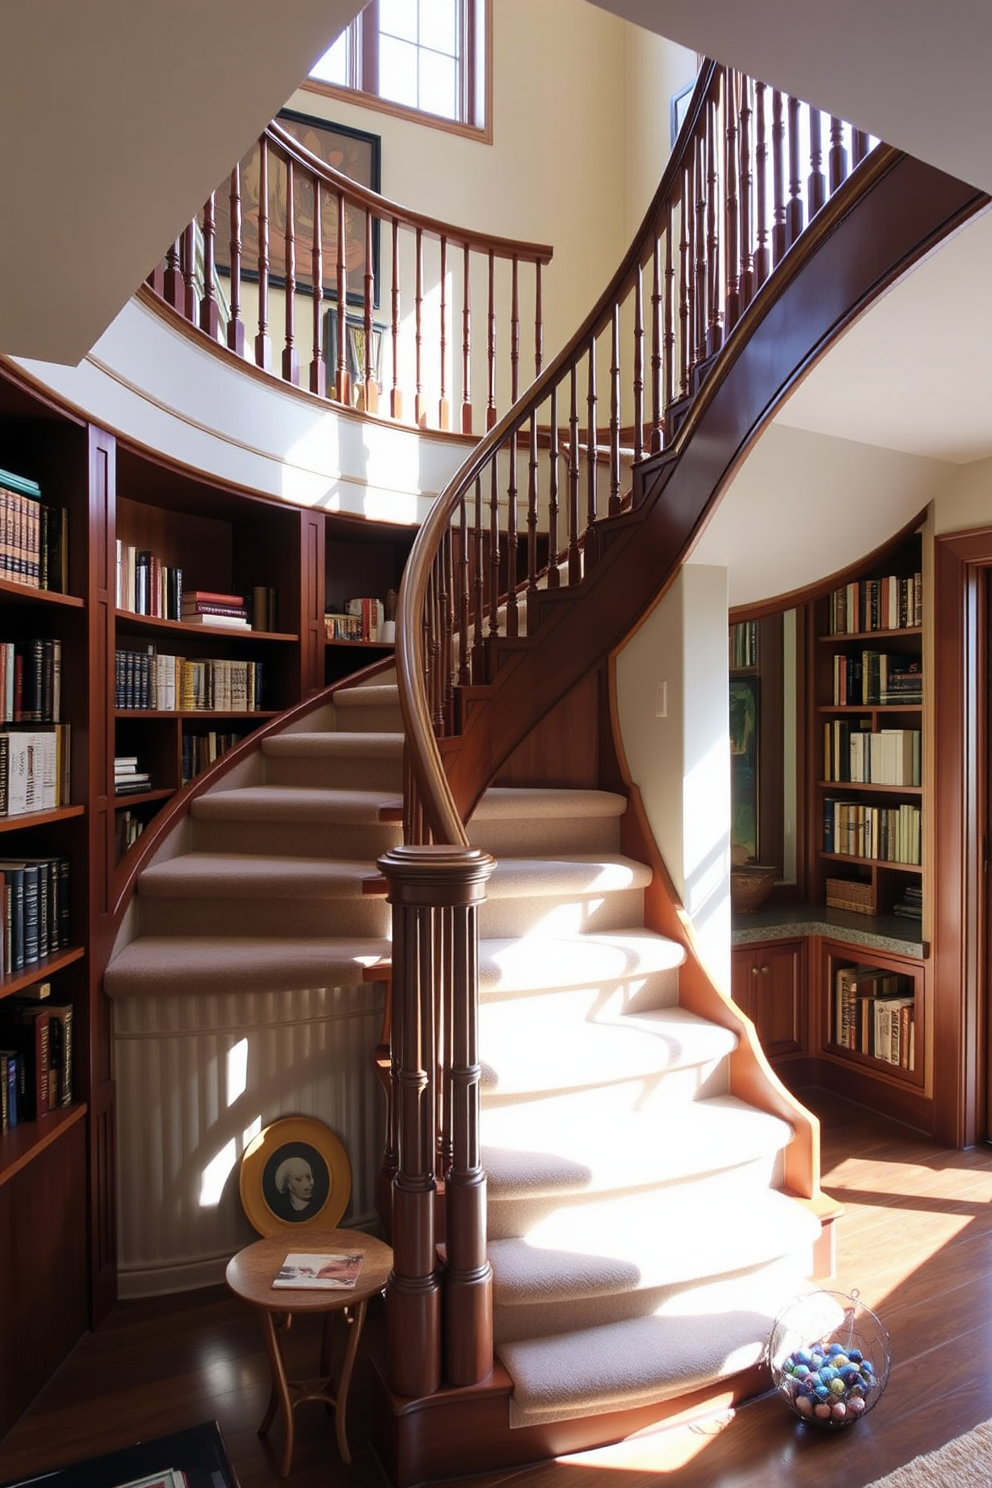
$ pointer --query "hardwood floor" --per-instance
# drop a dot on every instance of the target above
(914, 1242)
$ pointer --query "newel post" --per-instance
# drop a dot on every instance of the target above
(435, 892)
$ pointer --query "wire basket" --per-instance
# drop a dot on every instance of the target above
(829, 1357)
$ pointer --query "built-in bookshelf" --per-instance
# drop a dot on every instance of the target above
(363, 569)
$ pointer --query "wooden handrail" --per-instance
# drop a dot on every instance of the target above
(311, 234)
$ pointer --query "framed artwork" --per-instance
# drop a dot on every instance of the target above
(355, 347)
(743, 768)
(355, 154)
(295, 1173)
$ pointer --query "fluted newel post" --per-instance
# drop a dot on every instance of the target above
(435, 892)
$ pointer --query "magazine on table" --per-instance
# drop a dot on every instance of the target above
(335, 1270)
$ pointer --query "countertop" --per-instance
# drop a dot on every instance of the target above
(786, 921)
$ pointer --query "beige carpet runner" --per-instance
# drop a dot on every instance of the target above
(965, 1462)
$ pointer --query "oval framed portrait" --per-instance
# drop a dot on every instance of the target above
(293, 1174)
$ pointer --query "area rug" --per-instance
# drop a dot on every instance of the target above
(965, 1462)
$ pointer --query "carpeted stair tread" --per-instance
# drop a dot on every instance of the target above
(602, 1142)
(325, 745)
(375, 695)
(511, 966)
(235, 875)
(640, 1047)
(165, 965)
(548, 802)
(578, 873)
(697, 1336)
(663, 1237)
(292, 803)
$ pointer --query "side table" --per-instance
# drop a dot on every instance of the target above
(250, 1275)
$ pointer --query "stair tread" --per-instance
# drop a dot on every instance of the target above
(530, 802)
(581, 960)
(643, 1240)
(234, 874)
(161, 964)
(585, 873)
(347, 743)
(378, 694)
(579, 1144)
(695, 1337)
(294, 803)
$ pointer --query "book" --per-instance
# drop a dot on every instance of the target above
(331, 1271)
(60, 1050)
(210, 596)
(230, 621)
(25, 1028)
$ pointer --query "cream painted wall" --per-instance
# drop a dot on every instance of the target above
(655, 69)
(681, 761)
(966, 500)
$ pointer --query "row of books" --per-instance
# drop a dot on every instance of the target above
(877, 678)
(36, 1056)
(31, 680)
(34, 537)
(856, 754)
(894, 602)
(34, 910)
(743, 644)
(361, 620)
(200, 750)
(875, 1013)
(888, 834)
(149, 680)
(35, 770)
(128, 827)
(147, 586)
(128, 779)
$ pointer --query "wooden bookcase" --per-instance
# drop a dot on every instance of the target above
(58, 1268)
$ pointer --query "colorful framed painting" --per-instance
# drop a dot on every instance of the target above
(295, 1173)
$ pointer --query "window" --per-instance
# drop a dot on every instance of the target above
(417, 56)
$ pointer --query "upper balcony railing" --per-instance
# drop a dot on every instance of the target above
(266, 265)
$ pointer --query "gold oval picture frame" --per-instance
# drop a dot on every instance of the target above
(295, 1174)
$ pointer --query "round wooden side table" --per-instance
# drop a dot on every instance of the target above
(250, 1275)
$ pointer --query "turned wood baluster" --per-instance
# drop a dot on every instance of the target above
(494, 547)
(235, 326)
(658, 329)
(554, 454)
(714, 288)
(761, 262)
(370, 392)
(444, 409)
(700, 297)
(290, 355)
(432, 652)
(512, 542)
(837, 165)
(613, 500)
(859, 146)
(491, 345)
(447, 612)
(592, 439)
(660, 436)
(794, 218)
(731, 201)
(466, 342)
(479, 670)
(191, 304)
(532, 498)
(318, 365)
(173, 289)
(209, 309)
(638, 370)
(343, 376)
(464, 593)
(574, 552)
(746, 189)
(396, 396)
(816, 186)
(538, 322)
(779, 239)
(514, 330)
(685, 285)
(419, 402)
(263, 346)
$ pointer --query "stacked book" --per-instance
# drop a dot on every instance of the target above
(128, 779)
(909, 906)
(34, 544)
(209, 607)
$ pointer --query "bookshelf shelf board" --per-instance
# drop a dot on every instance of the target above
(855, 787)
(160, 625)
(39, 970)
(44, 596)
(833, 638)
(39, 818)
(876, 1066)
(131, 798)
(358, 645)
(21, 1145)
(831, 857)
(204, 713)
(885, 710)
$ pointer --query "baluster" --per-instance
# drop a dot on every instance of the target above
(574, 551)
(491, 346)
(714, 294)
(209, 309)
(235, 326)
(444, 411)
(370, 390)
(263, 347)
(512, 613)
(446, 613)
(658, 438)
(779, 240)
(318, 365)
(638, 382)
(746, 188)
(479, 670)
(464, 597)
(191, 300)
(794, 220)
(554, 576)
(514, 329)
(290, 355)
(419, 403)
(494, 548)
(658, 340)
(538, 322)
(685, 282)
(343, 375)
(466, 342)
(700, 300)
(613, 503)
(761, 265)
(173, 289)
(732, 204)
(838, 154)
(816, 186)
(432, 652)
(396, 396)
(859, 146)
(532, 496)
(592, 438)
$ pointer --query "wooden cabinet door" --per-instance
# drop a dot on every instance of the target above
(769, 985)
